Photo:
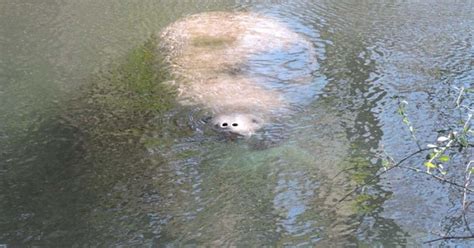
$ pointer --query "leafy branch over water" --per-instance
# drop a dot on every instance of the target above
(448, 144)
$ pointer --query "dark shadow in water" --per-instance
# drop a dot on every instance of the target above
(80, 177)
(353, 93)
(43, 192)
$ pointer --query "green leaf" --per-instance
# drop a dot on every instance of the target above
(472, 170)
(400, 111)
(385, 163)
(466, 129)
(429, 165)
(444, 158)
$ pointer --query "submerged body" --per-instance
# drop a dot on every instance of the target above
(214, 57)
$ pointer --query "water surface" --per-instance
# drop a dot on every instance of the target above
(96, 152)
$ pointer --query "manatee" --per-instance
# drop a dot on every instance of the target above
(214, 57)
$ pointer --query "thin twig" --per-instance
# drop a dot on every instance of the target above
(401, 111)
(437, 177)
(466, 223)
(459, 98)
(395, 166)
(449, 237)
(383, 172)
(467, 181)
(344, 170)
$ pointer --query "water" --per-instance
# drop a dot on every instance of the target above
(95, 153)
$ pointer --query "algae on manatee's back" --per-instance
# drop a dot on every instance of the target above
(212, 41)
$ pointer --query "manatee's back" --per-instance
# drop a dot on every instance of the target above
(221, 60)
(221, 41)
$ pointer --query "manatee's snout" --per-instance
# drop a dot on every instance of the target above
(237, 123)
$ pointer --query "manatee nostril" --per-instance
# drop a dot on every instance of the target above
(225, 124)
(234, 124)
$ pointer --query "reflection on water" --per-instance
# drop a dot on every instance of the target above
(95, 152)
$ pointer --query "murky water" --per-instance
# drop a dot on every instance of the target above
(95, 152)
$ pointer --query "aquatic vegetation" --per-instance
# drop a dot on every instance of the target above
(120, 101)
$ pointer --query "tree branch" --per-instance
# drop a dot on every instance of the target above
(383, 172)
(371, 179)
(449, 237)
(438, 178)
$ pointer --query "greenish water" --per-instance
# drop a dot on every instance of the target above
(95, 150)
